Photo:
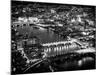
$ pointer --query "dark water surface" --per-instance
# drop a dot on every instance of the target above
(43, 34)
(85, 63)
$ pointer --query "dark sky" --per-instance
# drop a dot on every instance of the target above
(15, 2)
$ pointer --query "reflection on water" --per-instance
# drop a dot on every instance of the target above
(79, 62)
(82, 64)
(84, 60)
(43, 34)
(85, 63)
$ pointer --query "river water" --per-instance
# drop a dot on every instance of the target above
(43, 34)
(86, 63)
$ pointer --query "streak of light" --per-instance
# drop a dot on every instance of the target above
(33, 65)
(51, 68)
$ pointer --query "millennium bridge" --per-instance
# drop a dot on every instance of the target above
(63, 47)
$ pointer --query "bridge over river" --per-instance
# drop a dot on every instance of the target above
(64, 47)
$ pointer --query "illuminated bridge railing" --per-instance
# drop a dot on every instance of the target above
(59, 48)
